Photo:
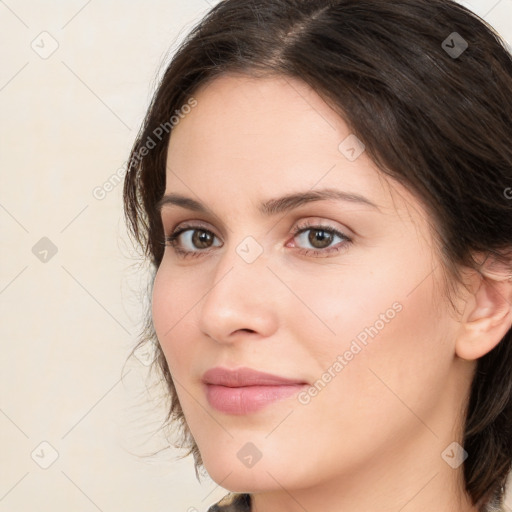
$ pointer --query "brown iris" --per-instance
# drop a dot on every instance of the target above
(321, 237)
(202, 239)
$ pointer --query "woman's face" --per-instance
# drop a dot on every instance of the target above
(341, 295)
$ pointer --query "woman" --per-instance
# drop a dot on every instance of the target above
(324, 191)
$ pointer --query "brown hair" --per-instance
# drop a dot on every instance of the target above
(433, 114)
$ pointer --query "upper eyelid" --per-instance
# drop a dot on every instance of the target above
(298, 210)
(191, 223)
(307, 225)
(204, 224)
(167, 218)
(321, 219)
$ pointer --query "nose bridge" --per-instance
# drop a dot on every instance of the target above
(242, 264)
(239, 297)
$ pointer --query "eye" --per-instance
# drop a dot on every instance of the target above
(317, 240)
(192, 240)
(320, 238)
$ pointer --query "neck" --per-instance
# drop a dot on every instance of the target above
(410, 475)
(411, 484)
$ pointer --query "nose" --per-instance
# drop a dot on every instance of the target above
(241, 300)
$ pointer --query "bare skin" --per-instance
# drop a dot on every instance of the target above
(374, 438)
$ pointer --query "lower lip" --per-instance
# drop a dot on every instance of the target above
(248, 399)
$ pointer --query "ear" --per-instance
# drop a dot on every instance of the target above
(487, 316)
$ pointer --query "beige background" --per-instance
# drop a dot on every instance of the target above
(75, 80)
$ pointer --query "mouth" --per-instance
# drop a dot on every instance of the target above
(245, 391)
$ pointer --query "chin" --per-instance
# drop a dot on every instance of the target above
(236, 478)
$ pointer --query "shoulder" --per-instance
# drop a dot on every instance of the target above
(233, 502)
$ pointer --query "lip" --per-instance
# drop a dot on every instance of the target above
(244, 390)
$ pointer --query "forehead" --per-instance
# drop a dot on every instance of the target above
(241, 116)
(266, 136)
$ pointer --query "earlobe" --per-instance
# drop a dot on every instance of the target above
(487, 317)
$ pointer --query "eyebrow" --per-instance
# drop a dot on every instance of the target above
(273, 206)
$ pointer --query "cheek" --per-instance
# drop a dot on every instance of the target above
(163, 303)
(389, 328)
(395, 353)
(173, 299)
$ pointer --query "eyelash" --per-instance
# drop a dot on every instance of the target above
(171, 240)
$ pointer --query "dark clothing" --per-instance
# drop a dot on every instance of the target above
(233, 502)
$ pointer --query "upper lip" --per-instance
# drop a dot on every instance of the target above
(245, 377)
